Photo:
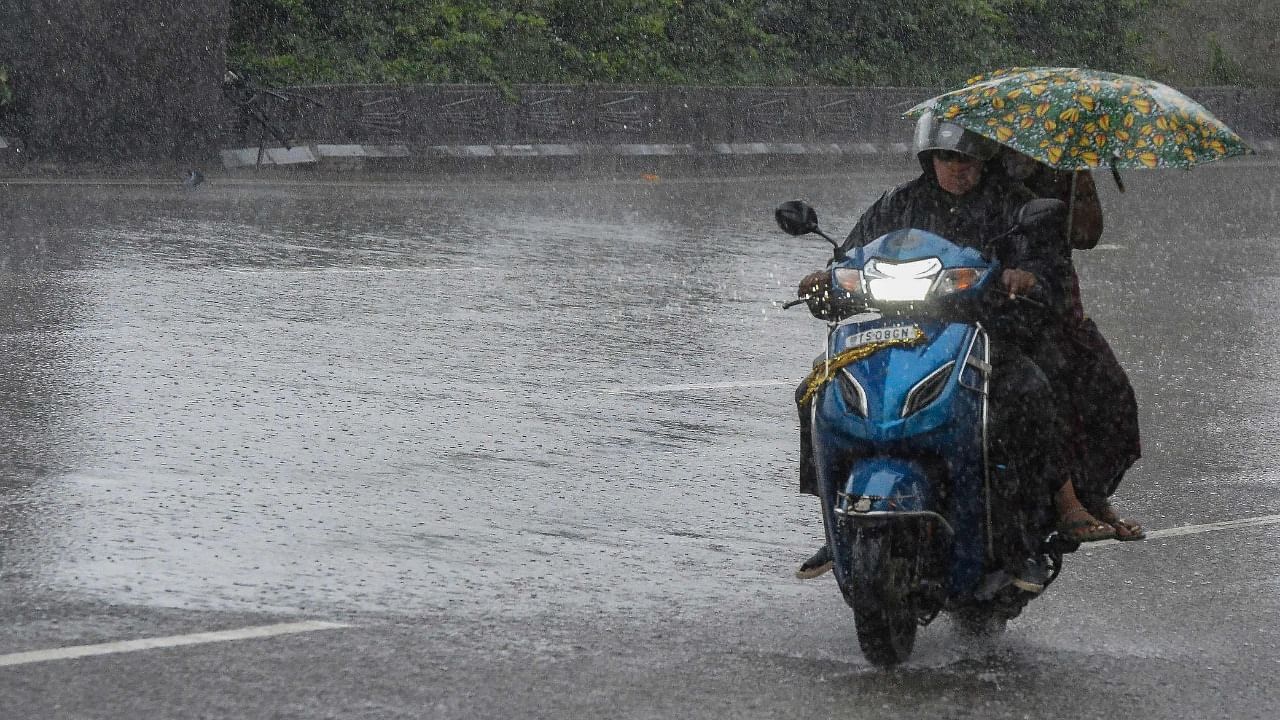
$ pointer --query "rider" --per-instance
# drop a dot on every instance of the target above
(954, 197)
(1094, 394)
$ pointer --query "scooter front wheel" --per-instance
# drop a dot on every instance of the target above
(879, 585)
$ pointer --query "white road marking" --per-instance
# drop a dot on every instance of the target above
(1107, 246)
(351, 271)
(643, 389)
(266, 631)
(124, 646)
(1259, 521)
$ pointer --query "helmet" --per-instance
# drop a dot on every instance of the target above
(933, 134)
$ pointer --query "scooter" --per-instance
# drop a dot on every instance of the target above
(901, 435)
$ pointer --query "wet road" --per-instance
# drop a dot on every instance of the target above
(529, 448)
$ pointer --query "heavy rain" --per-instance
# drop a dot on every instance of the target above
(329, 412)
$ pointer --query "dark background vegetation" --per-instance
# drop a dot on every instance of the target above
(707, 42)
(746, 42)
(133, 78)
(113, 78)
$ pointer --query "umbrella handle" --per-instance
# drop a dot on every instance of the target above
(1115, 174)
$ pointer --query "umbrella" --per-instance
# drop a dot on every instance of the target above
(1077, 118)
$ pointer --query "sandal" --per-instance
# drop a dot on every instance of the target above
(1126, 530)
(1086, 528)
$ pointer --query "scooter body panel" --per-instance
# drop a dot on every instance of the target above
(901, 435)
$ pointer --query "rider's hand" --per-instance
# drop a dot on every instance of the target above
(815, 288)
(815, 284)
(1017, 282)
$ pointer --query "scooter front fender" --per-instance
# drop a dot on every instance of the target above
(891, 500)
(887, 484)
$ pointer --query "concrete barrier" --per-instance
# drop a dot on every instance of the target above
(432, 126)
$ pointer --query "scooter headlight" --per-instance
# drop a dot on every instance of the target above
(956, 279)
(901, 282)
(850, 280)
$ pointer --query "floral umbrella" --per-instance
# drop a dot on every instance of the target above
(1076, 118)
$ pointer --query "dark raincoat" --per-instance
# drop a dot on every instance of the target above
(1094, 394)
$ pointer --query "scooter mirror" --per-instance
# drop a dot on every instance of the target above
(796, 217)
(1039, 212)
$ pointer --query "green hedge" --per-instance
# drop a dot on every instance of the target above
(6, 93)
(721, 42)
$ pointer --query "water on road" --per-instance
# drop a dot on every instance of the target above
(568, 400)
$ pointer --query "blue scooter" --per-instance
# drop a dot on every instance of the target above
(901, 442)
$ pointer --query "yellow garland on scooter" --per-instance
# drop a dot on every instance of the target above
(823, 373)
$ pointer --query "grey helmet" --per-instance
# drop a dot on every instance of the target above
(934, 134)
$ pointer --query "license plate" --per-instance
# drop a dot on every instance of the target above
(880, 334)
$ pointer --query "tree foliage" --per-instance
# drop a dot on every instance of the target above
(732, 42)
(6, 93)
(1224, 69)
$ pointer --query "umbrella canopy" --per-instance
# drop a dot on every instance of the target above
(1075, 118)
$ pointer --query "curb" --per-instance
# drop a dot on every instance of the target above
(354, 156)
(236, 158)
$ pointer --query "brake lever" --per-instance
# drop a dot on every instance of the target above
(1004, 295)
(1028, 299)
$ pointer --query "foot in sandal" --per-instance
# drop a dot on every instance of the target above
(1078, 525)
(1125, 529)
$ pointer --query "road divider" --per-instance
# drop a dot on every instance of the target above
(362, 156)
(357, 155)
